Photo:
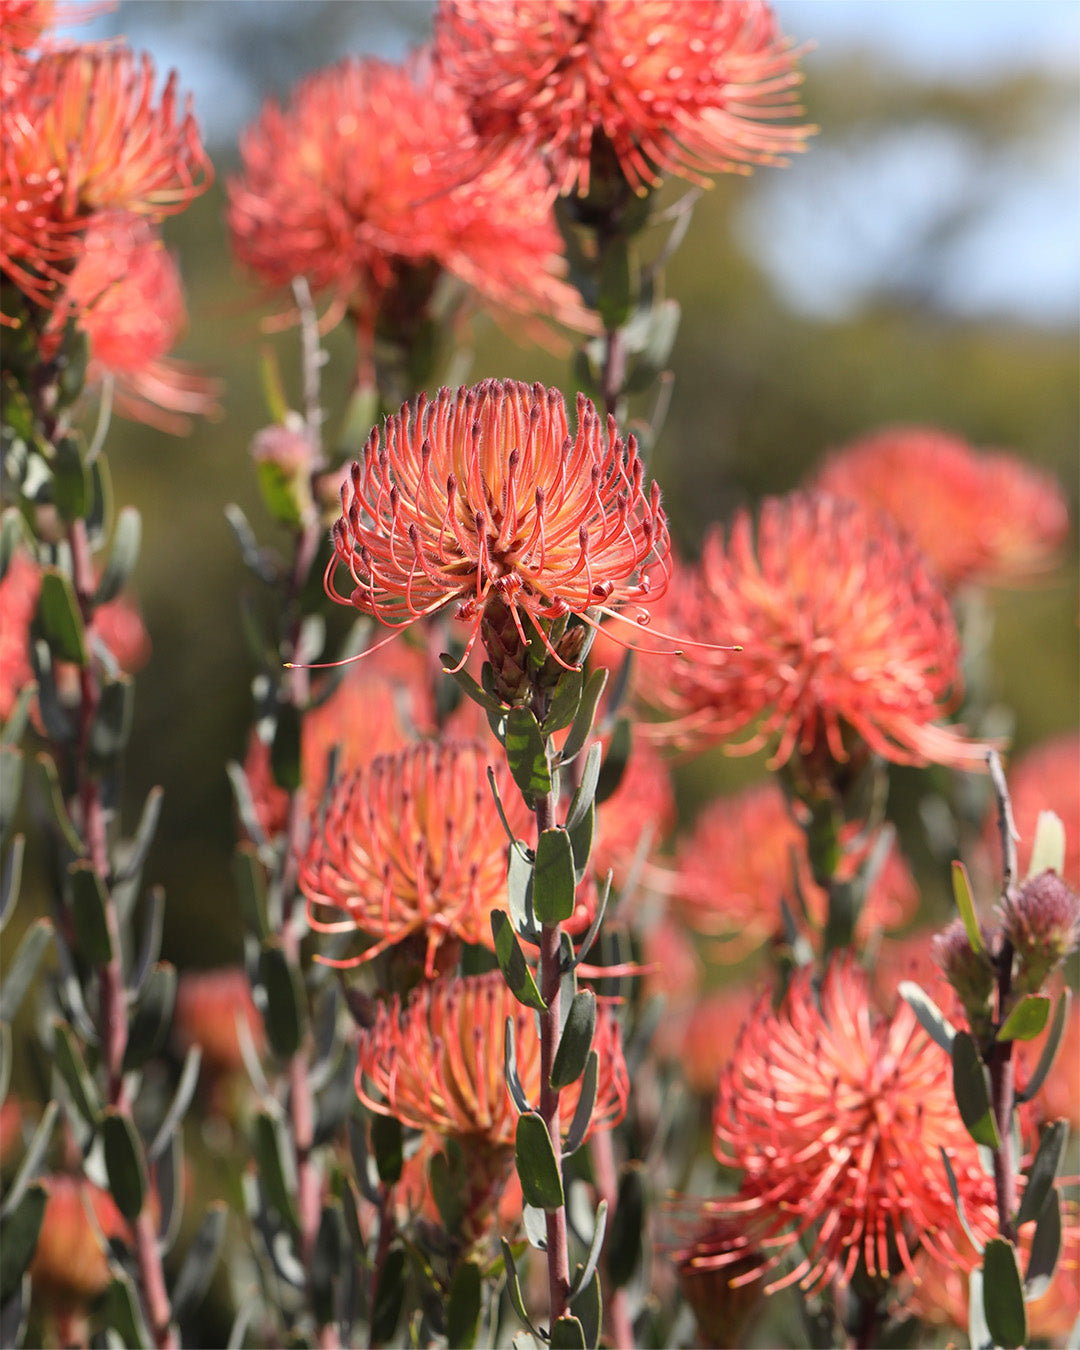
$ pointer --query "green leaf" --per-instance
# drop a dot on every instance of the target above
(564, 702)
(1045, 1248)
(534, 1221)
(526, 753)
(71, 481)
(11, 776)
(169, 1185)
(61, 620)
(89, 900)
(153, 1016)
(966, 905)
(388, 1144)
(586, 790)
(615, 296)
(143, 837)
(121, 1312)
(1003, 1295)
(519, 893)
(624, 1245)
(272, 1147)
(513, 1287)
(124, 554)
(1026, 1020)
(615, 761)
(582, 728)
(971, 1091)
(285, 1014)
(55, 798)
(934, 1022)
(11, 731)
(537, 1165)
(1044, 1170)
(576, 1040)
(20, 973)
(579, 1125)
(513, 1080)
(656, 351)
(14, 1315)
(285, 759)
(11, 878)
(389, 1297)
(957, 1201)
(472, 690)
(330, 1260)
(150, 942)
(124, 1163)
(18, 1238)
(554, 884)
(31, 1162)
(111, 730)
(185, 1090)
(200, 1262)
(1050, 1048)
(6, 1056)
(585, 1273)
(101, 502)
(68, 1058)
(12, 536)
(251, 888)
(512, 962)
(581, 841)
(567, 1334)
(464, 1304)
(588, 1307)
(446, 1178)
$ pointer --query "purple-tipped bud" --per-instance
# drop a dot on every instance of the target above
(1042, 921)
(971, 973)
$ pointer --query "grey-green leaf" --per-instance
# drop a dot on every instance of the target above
(125, 1163)
(588, 1307)
(526, 753)
(567, 1333)
(72, 1069)
(123, 555)
(200, 1262)
(18, 1238)
(513, 1081)
(513, 1286)
(625, 1246)
(1045, 1248)
(1050, 1048)
(1044, 1170)
(586, 1272)
(576, 1040)
(934, 1022)
(31, 1162)
(89, 900)
(554, 883)
(60, 617)
(564, 704)
(579, 1125)
(121, 1312)
(286, 1008)
(464, 1303)
(1003, 1295)
(971, 1091)
(537, 1165)
(153, 1016)
(389, 1297)
(582, 727)
(20, 973)
(11, 878)
(512, 962)
(271, 1146)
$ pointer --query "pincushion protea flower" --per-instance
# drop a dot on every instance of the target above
(413, 844)
(437, 1064)
(81, 134)
(980, 516)
(845, 636)
(356, 185)
(672, 86)
(837, 1118)
(747, 854)
(126, 296)
(483, 497)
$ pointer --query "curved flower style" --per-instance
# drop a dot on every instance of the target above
(27, 24)
(81, 134)
(979, 516)
(843, 631)
(483, 496)
(438, 1064)
(356, 185)
(125, 293)
(837, 1118)
(414, 844)
(747, 854)
(673, 87)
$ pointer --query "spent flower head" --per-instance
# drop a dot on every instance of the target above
(437, 1063)
(837, 1118)
(844, 635)
(979, 516)
(672, 87)
(483, 498)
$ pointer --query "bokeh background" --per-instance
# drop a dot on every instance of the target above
(921, 263)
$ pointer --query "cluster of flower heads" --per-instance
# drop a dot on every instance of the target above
(660, 86)
(91, 160)
(484, 496)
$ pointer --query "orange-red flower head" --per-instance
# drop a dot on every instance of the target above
(845, 636)
(438, 1064)
(982, 516)
(413, 844)
(81, 134)
(484, 495)
(673, 87)
(356, 185)
(837, 1118)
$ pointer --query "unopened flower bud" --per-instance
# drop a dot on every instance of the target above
(970, 973)
(285, 456)
(1042, 921)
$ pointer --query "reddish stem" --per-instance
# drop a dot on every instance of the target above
(1003, 1099)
